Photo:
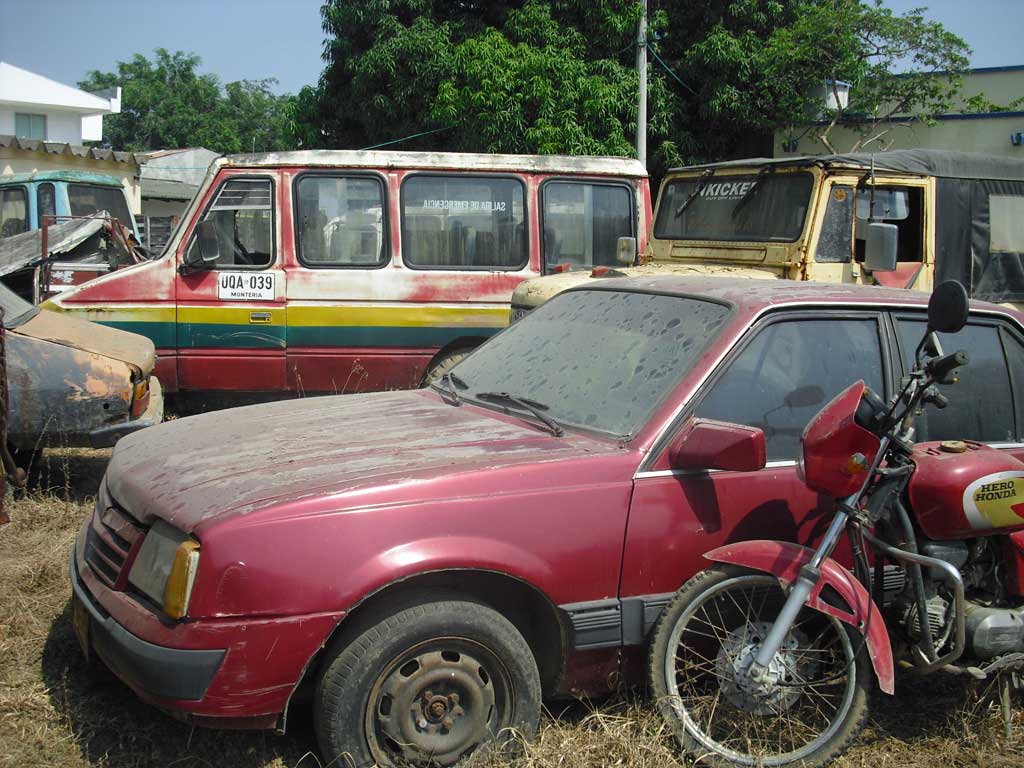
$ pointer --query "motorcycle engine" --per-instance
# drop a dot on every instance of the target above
(993, 626)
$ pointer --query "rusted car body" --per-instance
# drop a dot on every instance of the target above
(566, 511)
(75, 383)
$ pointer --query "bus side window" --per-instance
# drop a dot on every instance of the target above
(902, 206)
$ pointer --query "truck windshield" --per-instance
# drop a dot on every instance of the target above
(754, 207)
(600, 360)
(87, 199)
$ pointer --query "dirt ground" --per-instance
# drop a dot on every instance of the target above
(57, 711)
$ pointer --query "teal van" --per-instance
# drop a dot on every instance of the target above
(25, 198)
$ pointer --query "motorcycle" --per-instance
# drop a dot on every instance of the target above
(768, 657)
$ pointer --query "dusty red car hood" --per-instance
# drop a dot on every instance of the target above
(240, 460)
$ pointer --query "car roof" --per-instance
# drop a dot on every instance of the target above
(753, 296)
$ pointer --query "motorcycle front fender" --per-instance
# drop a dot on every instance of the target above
(784, 560)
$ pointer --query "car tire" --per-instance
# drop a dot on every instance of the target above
(443, 364)
(427, 684)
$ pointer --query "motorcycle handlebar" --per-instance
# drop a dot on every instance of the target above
(938, 368)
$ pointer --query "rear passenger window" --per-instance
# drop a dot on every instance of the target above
(341, 221)
(981, 402)
(583, 222)
(790, 369)
(463, 222)
(243, 211)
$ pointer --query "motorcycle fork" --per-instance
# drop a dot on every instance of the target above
(801, 590)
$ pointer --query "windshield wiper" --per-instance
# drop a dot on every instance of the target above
(705, 179)
(453, 384)
(752, 189)
(525, 403)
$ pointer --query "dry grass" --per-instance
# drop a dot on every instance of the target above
(56, 711)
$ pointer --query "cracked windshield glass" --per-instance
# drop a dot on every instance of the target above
(601, 360)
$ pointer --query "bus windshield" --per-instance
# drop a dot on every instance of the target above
(755, 207)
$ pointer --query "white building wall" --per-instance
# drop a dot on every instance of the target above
(988, 134)
(63, 127)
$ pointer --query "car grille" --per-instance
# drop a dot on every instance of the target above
(110, 539)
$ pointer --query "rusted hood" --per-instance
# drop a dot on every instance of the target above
(324, 453)
(130, 348)
(534, 292)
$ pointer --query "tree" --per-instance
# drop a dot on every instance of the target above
(863, 45)
(165, 104)
(531, 76)
(558, 75)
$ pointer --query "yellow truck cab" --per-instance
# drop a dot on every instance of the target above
(905, 218)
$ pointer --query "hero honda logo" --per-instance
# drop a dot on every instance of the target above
(995, 501)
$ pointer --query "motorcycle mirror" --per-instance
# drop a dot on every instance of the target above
(947, 308)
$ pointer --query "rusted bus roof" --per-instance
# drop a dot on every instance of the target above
(462, 161)
(74, 150)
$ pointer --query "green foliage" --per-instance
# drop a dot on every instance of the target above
(165, 104)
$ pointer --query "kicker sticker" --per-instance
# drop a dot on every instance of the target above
(995, 501)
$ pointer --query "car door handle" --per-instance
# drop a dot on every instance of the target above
(259, 317)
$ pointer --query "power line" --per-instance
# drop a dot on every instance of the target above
(407, 138)
(669, 69)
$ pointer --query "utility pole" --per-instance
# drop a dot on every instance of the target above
(641, 68)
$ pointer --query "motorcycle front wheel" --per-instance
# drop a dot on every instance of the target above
(808, 711)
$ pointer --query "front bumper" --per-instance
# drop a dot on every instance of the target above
(226, 672)
(166, 673)
(105, 437)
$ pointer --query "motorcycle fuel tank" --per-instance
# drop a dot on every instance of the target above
(963, 489)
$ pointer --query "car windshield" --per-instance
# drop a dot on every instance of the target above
(16, 309)
(596, 359)
(754, 207)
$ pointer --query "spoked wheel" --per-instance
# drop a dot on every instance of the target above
(812, 705)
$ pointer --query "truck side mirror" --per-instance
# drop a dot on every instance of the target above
(880, 247)
(205, 249)
(625, 251)
(709, 444)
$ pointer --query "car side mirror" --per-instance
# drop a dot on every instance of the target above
(205, 249)
(880, 247)
(709, 444)
(625, 251)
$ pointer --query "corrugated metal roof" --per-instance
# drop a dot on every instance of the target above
(75, 150)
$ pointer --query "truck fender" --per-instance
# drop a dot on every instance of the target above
(784, 560)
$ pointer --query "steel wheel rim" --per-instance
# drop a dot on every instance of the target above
(699, 732)
(436, 702)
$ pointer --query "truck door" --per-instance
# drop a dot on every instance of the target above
(849, 205)
(231, 317)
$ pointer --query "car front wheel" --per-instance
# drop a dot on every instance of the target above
(426, 685)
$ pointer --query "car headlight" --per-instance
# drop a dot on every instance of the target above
(165, 568)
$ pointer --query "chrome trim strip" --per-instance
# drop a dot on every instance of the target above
(686, 472)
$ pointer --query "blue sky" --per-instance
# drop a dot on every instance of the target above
(252, 39)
